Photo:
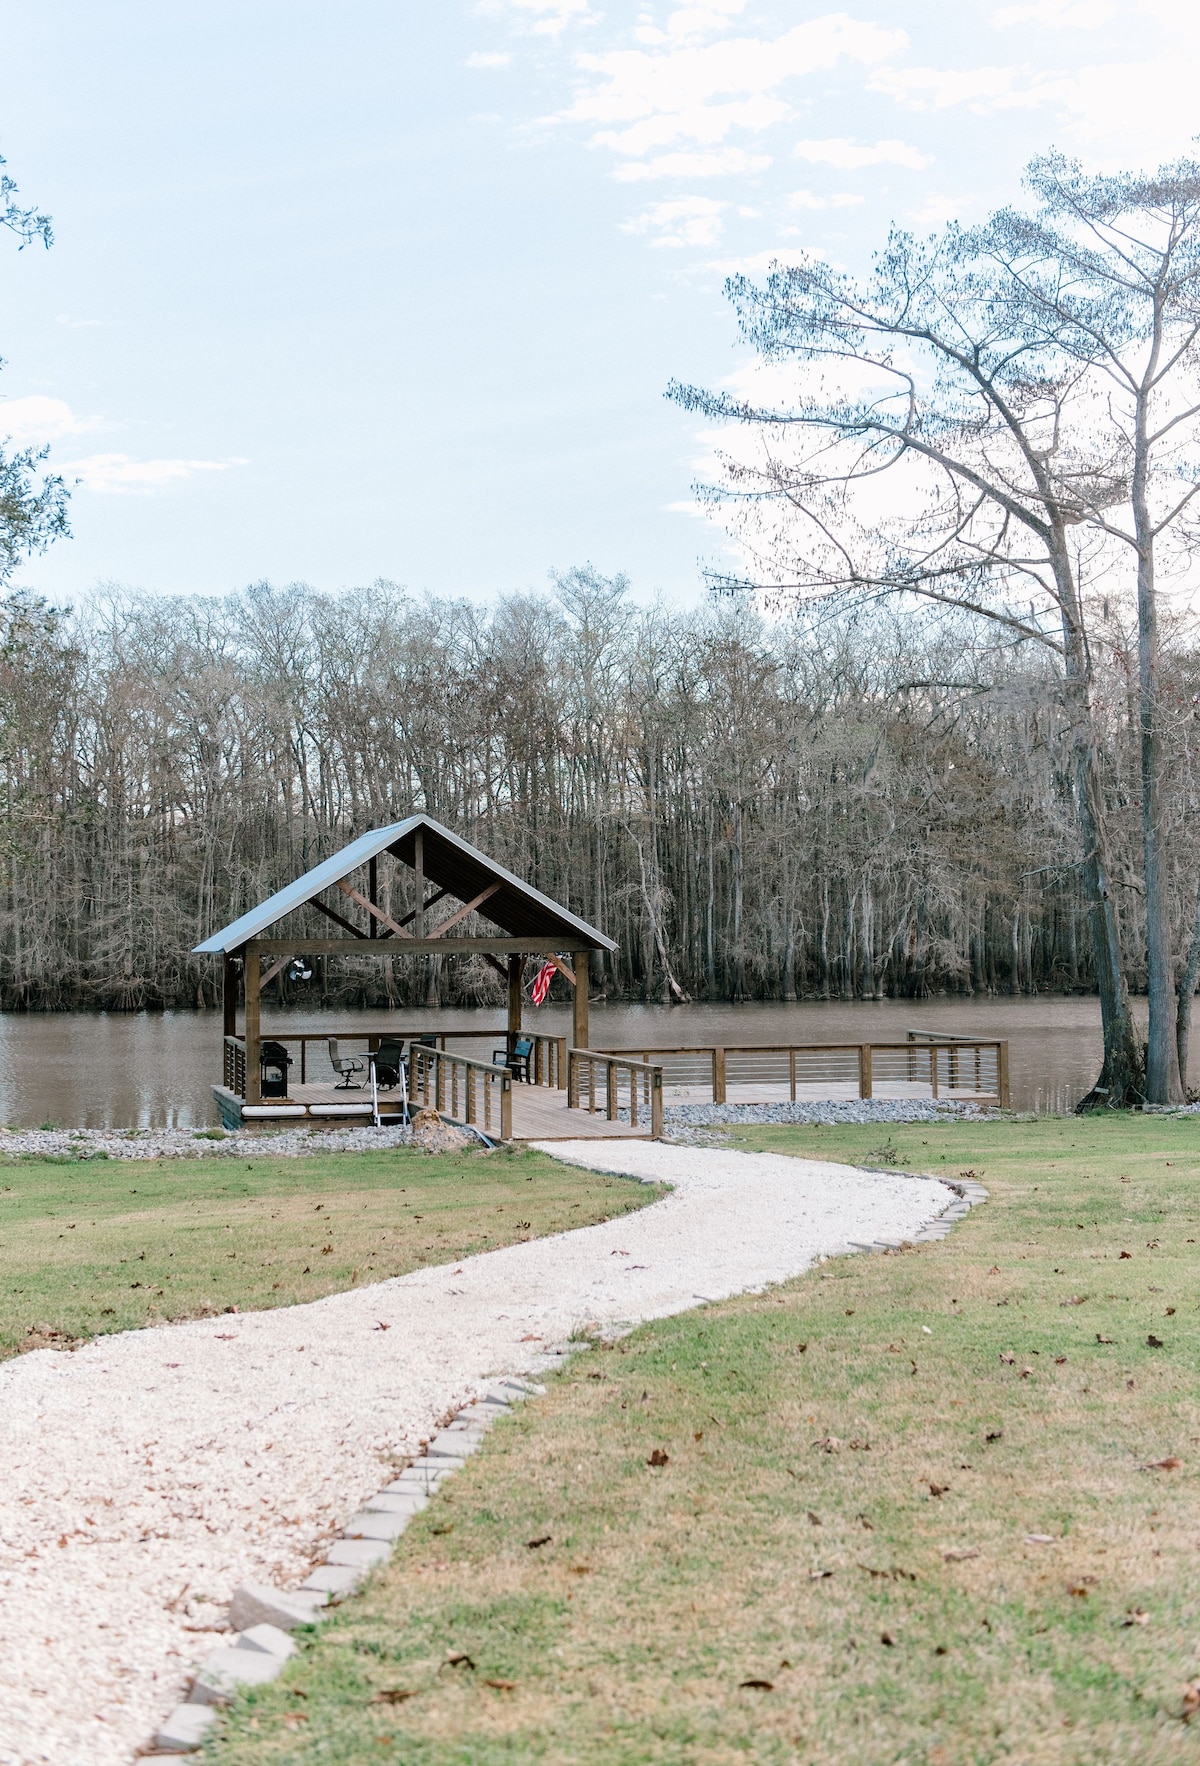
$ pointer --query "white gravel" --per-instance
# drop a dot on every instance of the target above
(147, 1474)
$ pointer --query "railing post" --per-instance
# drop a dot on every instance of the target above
(792, 1072)
(933, 1068)
(656, 1103)
(865, 1075)
(562, 1062)
(572, 1081)
(611, 1090)
(718, 1076)
(506, 1107)
(633, 1099)
(1002, 1075)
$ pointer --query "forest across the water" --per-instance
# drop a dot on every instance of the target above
(847, 806)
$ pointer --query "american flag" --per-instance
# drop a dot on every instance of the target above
(541, 983)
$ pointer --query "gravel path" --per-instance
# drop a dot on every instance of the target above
(147, 1474)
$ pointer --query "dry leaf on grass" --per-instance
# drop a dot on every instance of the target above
(1191, 1700)
(1170, 1464)
(293, 1719)
(392, 1695)
(502, 1685)
(1007, 1357)
(758, 1685)
(660, 1457)
(1101, 1339)
(1135, 1616)
(1075, 1300)
(819, 1575)
(958, 1554)
(1039, 1539)
(814, 1519)
(458, 1658)
(536, 1544)
(1153, 1342)
(885, 1637)
(936, 1489)
(995, 1435)
(829, 1444)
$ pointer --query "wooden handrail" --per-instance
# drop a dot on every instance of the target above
(642, 1073)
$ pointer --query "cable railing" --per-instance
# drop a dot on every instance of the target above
(966, 1068)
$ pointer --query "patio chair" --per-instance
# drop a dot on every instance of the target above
(516, 1058)
(389, 1060)
(345, 1066)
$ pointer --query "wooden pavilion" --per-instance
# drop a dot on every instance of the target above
(419, 861)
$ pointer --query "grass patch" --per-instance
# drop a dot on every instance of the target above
(874, 1539)
(91, 1247)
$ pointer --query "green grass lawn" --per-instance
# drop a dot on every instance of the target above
(90, 1246)
(907, 1512)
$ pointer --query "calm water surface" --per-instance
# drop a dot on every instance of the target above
(154, 1070)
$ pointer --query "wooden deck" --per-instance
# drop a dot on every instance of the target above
(539, 1113)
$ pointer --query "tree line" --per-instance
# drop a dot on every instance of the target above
(847, 806)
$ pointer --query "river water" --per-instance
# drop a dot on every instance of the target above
(155, 1069)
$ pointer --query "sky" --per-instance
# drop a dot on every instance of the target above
(393, 290)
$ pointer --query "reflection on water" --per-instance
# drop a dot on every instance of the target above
(153, 1070)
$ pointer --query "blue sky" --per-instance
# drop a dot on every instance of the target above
(387, 289)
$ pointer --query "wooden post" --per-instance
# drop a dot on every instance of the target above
(580, 1028)
(562, 1063)
(373, 892)
(718, 1076)
(515, 1001)
(1002, 1067)
(865, 1075)
(230, 998)
(419, 867)
(656, 1103)
(611, 1101)
(506, 1107)
(253, 1071)
(792, 1072)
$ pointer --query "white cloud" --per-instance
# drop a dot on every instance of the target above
(808, 199)
(983, 88)
(76, 324)
(851, 156)
(482, 58)
(551, 17)
(689, 24)
(39, 419)
(936, 210)
(729, 161)
(688, 220)
(109, 473)
(1071, 15)
(638, 100)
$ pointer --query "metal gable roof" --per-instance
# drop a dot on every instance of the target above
(449, 863)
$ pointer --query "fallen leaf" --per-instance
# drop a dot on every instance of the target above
(1075, 1300)
(863, 1522)
(937, 1489)
(502, 1685)
(1101, 1339)
(1191, 1700)
(458, 1658)
(1170, 1464)
(381, 1326)
(1039, 1539)
(1153, 1342)
(800, 1348)
(759, 1685)
(1060, 1361)
(660, 1457)
(392, 1695)
(1135, 1616)
(542, 1539)
(958, 1554)
(581, 1569)
(996, 1435)
(885, 1637)
(819, 1575)
(1007, 1357)
(1078, 1590)
(293, 1719)
(815, 1519)
(1124, 1255)
(1169, 1313)
(1026, 1373)
(828, 1444)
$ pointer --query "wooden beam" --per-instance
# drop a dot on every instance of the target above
(462, 913)
(580, 1016)
(565, 969)
(546, 946)
(376, 913)
(419, 867)
(337, 919)
(253, 1020)
(229, 1002)
(373, 890)
(271, 973)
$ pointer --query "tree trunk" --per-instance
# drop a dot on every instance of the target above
(1184, 993)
